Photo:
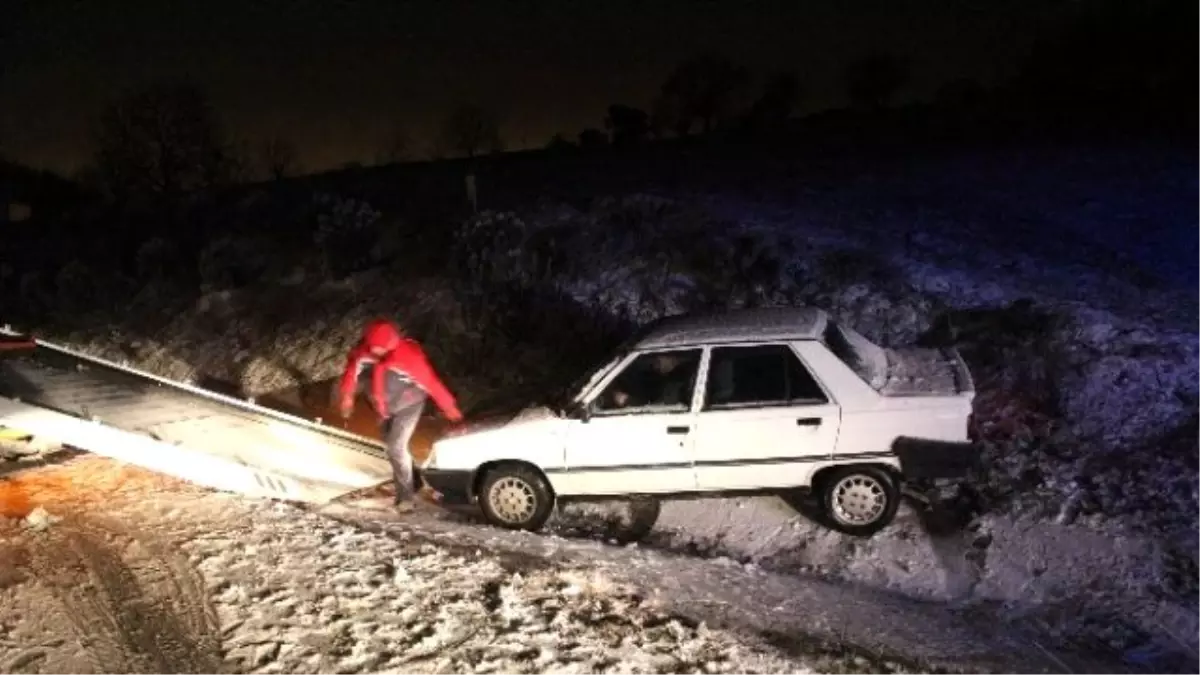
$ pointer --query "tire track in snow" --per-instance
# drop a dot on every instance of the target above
(134, 606)
(794, 612)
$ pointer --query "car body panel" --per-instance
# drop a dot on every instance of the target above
(585, 451)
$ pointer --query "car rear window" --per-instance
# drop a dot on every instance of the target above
(867, 359)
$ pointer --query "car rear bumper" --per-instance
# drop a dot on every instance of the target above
(925, 459)
(453, 484)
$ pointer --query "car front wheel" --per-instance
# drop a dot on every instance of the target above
(859, 500)
(516, 497)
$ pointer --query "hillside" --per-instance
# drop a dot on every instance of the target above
(1067, 271)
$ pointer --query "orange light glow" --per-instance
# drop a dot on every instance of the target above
(88, 481)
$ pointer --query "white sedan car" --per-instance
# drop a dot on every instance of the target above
(742, 402)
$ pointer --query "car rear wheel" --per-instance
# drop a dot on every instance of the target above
(859, 500)
(516, 497)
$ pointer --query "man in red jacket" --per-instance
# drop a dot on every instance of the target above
(401, 378)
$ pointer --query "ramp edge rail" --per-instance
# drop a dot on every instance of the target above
(196, 391)
(198, 467)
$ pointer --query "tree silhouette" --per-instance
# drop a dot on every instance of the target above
(873, 81)
(471, 130)
(590, 139)
(559, 143)
(278, 157)
(703, 89)
(776, 102)
(397, 148)
(161, 143)
(626, 125)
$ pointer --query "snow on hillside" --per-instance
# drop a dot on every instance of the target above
(1086, 391)
(118, 570)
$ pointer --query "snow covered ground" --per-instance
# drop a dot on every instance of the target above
(116, 570)
(119, 570)
(1091, 534)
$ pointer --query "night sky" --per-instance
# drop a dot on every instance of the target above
(337, 77)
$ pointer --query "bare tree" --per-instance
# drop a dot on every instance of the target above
(398, 148)
(774, 106)
(703, 89)
(559, 143)
(590, 139)
(471, 130)
(627, 125)
(161, 143)
(279, 158)
(873, 81)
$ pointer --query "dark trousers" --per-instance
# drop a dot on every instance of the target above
(397, 431)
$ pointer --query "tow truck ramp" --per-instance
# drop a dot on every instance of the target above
(219, 441)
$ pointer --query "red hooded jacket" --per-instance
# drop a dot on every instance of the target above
(401, 357)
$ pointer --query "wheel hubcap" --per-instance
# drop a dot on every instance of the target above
(512, 500)
(858, 500)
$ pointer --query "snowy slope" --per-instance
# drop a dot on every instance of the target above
(1096, 532)
(120, 570)
(800, 609)
(124, 571)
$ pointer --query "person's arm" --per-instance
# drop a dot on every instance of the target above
(379, 387)
(349, 381)
(414, 362)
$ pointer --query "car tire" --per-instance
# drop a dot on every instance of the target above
(516, 497)
(859, 500)
(643, 515)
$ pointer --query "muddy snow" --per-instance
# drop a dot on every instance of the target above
(117, 570)
(113, 569)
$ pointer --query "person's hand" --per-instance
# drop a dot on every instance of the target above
(455, 416)
(346, 408)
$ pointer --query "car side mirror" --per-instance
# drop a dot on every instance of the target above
(581, 411)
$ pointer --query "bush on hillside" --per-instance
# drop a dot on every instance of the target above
(347, 234)
(499, 248)
(236, 261)
(157, 258)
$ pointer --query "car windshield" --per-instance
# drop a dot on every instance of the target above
(562, 399)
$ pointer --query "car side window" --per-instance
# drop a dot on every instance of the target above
(653, 382)
(760, 375)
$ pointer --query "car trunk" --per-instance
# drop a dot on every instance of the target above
(925, 372)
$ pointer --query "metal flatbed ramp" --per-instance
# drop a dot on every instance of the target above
(184, 431)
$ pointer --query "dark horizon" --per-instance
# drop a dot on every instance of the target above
(338, 80)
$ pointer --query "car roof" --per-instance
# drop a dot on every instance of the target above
(740, 325)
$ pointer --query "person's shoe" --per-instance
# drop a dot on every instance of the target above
(405, 506)
(429, 496)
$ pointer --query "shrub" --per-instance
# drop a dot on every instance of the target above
(80, 290)
(655, 256)
(494, 248)
(346, 234)
(34, 293)
(524, 342)
(157, 258)
(234, 261)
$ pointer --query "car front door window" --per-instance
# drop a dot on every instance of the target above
(660, 382)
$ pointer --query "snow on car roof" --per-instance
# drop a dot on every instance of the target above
(741, 325)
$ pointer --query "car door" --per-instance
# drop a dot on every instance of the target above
(763, 419)
(636, 435)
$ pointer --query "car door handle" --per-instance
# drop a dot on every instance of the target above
(809, 422)
(677, 430)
